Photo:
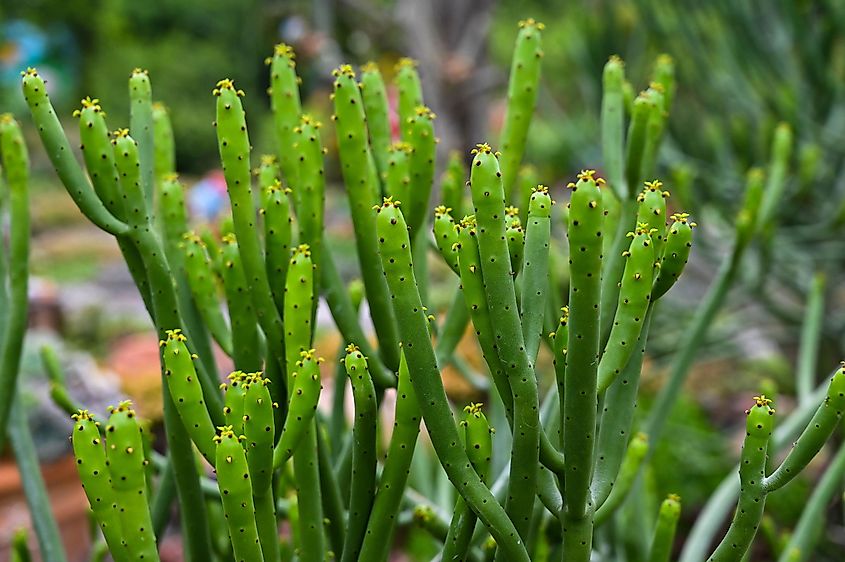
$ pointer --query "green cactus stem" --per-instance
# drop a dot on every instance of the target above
(446, 236)
(478, 441)
(397, 178)
(612, 125)
(811, 440)
(203, 283)
(675, 254)
(406, 428)
(523, 85)
(407, 81)
(142, 128)
(311, 185)
(15, 164)
(578, 406)
(246, 342)
(651, 211)
(636, 140)
(654, 130)
(782, 144)
(164, 161)
(489, 200)
(233, 141)
(664, 532)
(536, 269)
(752, 469)
(187, 393)
(275, 208)
(91, 463)
(617, 417)
(374, 96)
(259, 433)
(98, 154)
(452, 184)
(286, 107)
(630, 467)
(235, 485)
(126, 462)
(633, 303)
(515, 235)
(299, 303)
(425, 376)
(362, 189)
(805, 536)
(304, 395)
(234, 393)
(527, 181)
(37, 498)
(363, 483)
(421, 167)
(61, 156)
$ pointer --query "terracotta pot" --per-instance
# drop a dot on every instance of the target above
(70, 507)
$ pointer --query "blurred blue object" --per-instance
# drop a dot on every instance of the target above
(207, 198)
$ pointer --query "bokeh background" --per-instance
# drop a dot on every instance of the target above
(742, 68)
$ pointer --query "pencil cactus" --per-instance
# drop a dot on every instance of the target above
(579, 450)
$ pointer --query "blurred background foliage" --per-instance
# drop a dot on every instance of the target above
(742, 68)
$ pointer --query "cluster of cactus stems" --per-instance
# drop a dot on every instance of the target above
(574, 453)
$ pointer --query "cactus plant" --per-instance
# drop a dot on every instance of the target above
(573, 447)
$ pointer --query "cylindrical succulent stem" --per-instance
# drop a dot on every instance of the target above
(92, 465)
(233, 141)
(406, 428)
(15, 165)
(664, 532)
(362, 189)
(752, 470)
(374, 96)
(535, 272)
(633, 303)
(61, 156)
(235, 485)
(286, 106)
(409, 87)
(126, 462)
(811, 440)
(141, 126)
(421, 168)
(246, 340)
(452, 185)
(187, 393)
(612, 125)
(489, 199)
(363, 483)
(523, 85)
(203, 283)
(425, 375)
(578, 412)
(164, 162)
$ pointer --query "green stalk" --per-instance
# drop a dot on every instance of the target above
(15, 162)
(382, 524)
(425, 376)
(141, 128)
(374, 96)
(806, 533)
(612, 126)
(752, 497)
(363, 192)
(523, 86)
(363, 484)
(489, 200)
(535, 269)
(61, 156)
(286, 107)
(664, 532)
(578, 402)
(40, 510)
(808, 352)
(233, 141)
